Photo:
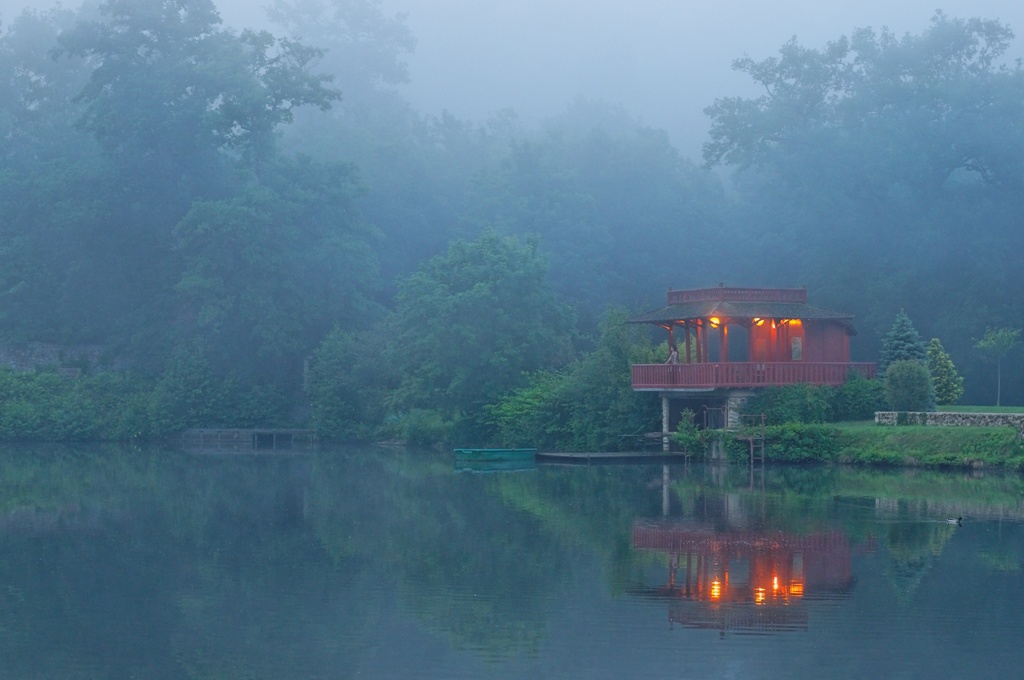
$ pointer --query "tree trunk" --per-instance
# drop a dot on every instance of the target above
(999, 379)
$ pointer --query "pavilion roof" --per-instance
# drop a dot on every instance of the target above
(740, 309)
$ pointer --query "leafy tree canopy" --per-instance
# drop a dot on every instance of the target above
(860, 94)
(996, 344)
(169, 86)
(470, 325)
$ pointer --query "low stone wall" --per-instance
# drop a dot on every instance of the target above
(1015, 420)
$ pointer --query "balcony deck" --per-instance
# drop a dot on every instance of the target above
(710, 376)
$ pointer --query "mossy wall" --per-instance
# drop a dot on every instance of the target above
(947, 419)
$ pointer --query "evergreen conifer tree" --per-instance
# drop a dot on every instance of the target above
(949, 385)
(901, 343)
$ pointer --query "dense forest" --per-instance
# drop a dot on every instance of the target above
(253, 227)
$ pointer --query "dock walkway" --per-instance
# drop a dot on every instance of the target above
(239, 439)
(660, 458)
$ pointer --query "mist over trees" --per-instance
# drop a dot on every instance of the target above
(266, 203)
(885, 173)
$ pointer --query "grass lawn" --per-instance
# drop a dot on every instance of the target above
(930, 445)
(981, 409)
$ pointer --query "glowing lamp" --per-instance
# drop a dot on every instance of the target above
(758, 321)
(716, 589)
(796, 588)
(715, 321)
(759, 596)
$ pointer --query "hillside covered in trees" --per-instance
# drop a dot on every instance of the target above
(255, 227)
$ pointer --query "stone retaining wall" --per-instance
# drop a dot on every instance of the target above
(1015, 420)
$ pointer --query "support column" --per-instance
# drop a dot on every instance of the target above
(733, 409)
(725, 344)
(665, 496)
(689, 354)
(666, 415)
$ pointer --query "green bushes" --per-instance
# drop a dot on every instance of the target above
(908, 386)
(348, 387)
(921, 446)
(913, 446)
(111, 406)
(801, 443)
(587, 406)
(50, 407)
(689, 438)
(856, 399)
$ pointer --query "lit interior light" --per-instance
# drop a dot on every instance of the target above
(775, 583)
(796, 588)
(759, 595)
(716, 589)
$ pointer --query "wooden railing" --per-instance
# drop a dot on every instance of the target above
(744, 374)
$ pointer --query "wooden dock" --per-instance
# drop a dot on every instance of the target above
(242, 439)
(624, 458)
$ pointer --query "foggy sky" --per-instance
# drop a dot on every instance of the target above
(663, 60)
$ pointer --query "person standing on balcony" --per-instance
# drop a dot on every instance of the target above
(673, 356)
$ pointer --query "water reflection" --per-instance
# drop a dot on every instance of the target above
(744, 581)
(376, 563)
(722, 574)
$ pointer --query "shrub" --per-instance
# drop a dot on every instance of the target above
(538, 415)
(423, 427)
(858, 399)
(793, 404)
(798, 442)
(689, 438)
(908, 386)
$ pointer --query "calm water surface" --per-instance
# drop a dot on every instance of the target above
(372, 563)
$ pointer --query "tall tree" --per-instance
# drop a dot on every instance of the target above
(949, 385)
(996, 344)
(891, 154)
(171, 88)
(902, 343)
(53, 185)
(470, 325)
(147, 109)
(267, 273)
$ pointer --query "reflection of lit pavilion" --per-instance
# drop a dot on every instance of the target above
(745, 581)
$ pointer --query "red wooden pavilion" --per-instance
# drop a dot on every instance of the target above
(729, 341)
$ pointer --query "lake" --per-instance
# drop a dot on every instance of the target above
(153, 563)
